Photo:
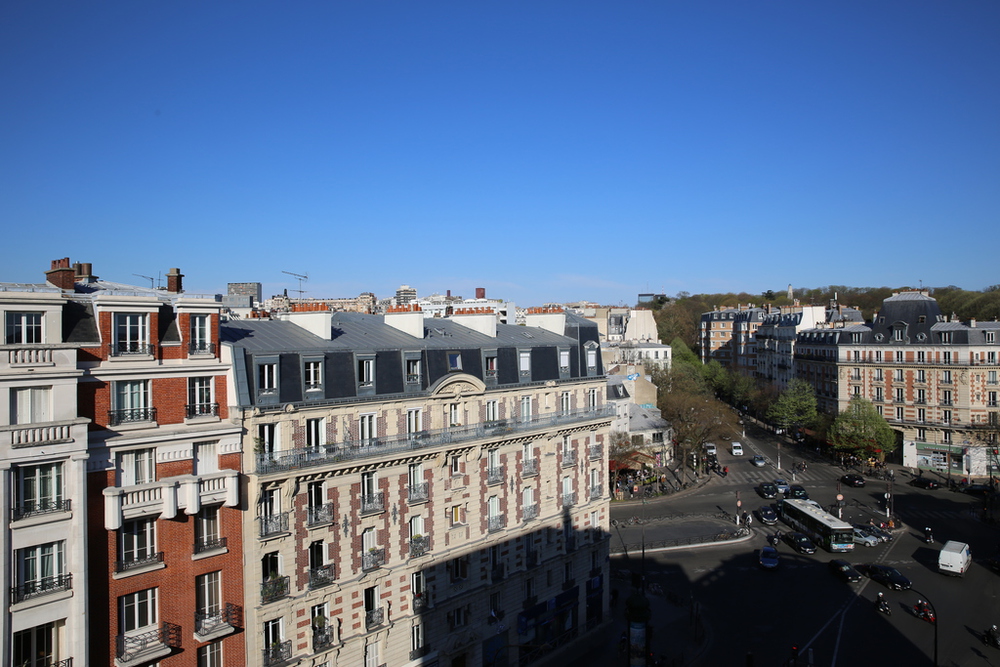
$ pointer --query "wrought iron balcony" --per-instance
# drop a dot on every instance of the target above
(530, 512)
(419, 545)
(323, 638)
(124, 349)
(273, 524)
(274, 589)
(131, 416)
(201, 347)
(494, 475)
(413, 378)
(324, 575)
(139, 562)
(277, 653)
(569, 499)
(209, 544)
(201, 410)
(568, 458)
(529, 467)
(319, 514)
(595, 451)
(418, 492)
(24, 510)
(420, 652)
(373, 559)
(374, 618)
(495, 523)
(214, 623)
(147, 646)
(419, 601)
(596, 492)
(39, 587)
(372, 503)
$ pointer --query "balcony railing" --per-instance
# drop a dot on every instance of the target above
(123, 349)
(24, 510)
(530, 512)
(418, 492)
(372, 503)
(40, 587)
(209, 544)
(355, 450)
(207, 623)
(201, 347)
(201, 410)
(373, 559)
(131, 416)
(596, 492)
(319, 514)
(419, 601)
(595, 451)
(569, 499)
(139, 562)
(273, 589)
(418, 653)
(147, 646)
(29, 435)
(374, 618)
(323, 638)
(494, 475)
(569, 457)
(321, 576)
(529, 467)
(277, 653)
(413, 378)
(419, 545)
(496, 523)
(273, 524)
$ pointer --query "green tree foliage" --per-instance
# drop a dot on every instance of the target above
(861, 428)
(796, 406)
(680, 353)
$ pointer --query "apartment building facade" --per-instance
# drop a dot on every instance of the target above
(935, 381)
(421, 491)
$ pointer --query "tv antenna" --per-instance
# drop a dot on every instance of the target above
(149, 278)
(301, 278)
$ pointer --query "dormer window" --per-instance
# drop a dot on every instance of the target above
(366, 372)
(413, 371)
(131, 332)
(454, 362)
(524, 364)
(946, 337)
(312, 371)
(201, 341)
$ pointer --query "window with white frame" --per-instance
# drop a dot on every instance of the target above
(898, 375)
(39, 489)
(946, 357)
(30, 405)
(137, 466)
(565, 401)
(369, 483)
(313, 372)
(208, 593)
(990, 337)
(37, 646)
(137, 542)
(317, 554)
(416, 526)
(206, 529)
(366, 427)
(991, 357)
(921, 357)
(270, 502)
(991, 377)
(946, 416)
(131, 402)
(493, 507)
(591, 359)
(946, 377)
(369, 540)
(946, 397)
(137, 611)
(592, 398)
(210, 655)
(564, 361)
(491, 366)
(206, 458)
(315, 432)
(274, 634)
(366, 372)
(946, 437)
(454, 361)
(200, 400)
(454, 414)
(131, 333)
(457, 515)
(416, 637)
(22, 328)
(899, 414)
(413, 371)
(40, 568)
(267, 378)
(899, 395)
(200, 337)
(492, 411)
(456, 465)
(525, 408)
(921, 375)
(267, 439)
(524, 363)
(414, 421)
(372, 654)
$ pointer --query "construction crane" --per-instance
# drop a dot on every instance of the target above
(301, 278)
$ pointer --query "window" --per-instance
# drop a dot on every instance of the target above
(30, 405)
(946, 357)
(413, 371)
(137, 543)
(899, 395)
(565, 401)
(39, 489)
(897, 334)
(921, 375)
(991, 357)
(899, 414)
(564, 361)
(414, 421)
(40, 569)
(856, 390)
(898, 375)
(921, 415)
(492, 414)
(270, 502)
(273, 634)
(315, 494)
(137, 611)
(491, 366)
(37, 646)
(267, 378)
(206, 530)
(946, 416)
(137, 467)
(131, 403)
(317, 555)
(592, 399)
(878, 375)
(313, 373)
(946, 337)
(131, 334)
(416, 526)
(366, 372)
(856, 374)
(990, 337)
(921, 357)
(991, 377)
(946, 397)
(208, 592)
(991, 399)
(416, 637)
(366, 428)
(210, 655)
(267, 439)
(457, 515)
(946, 377)
(23, 328)
(921, 396)
(454, 414)
(454, 361)
(946, 437)
(878, 394)
(315, 433)
(591, 359)
(200, 337)
(525, 408)
(456, 465)
(921, 435)
(200, 397)
(524, 363)
(493, 512)
(372, 655)
(878, 356)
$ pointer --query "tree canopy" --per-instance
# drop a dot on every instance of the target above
(796, 406)
(861, 428)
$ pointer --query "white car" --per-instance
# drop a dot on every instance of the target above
(867, 540)
(737, 449)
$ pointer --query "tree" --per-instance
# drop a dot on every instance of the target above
(861, 427)
(796, 406)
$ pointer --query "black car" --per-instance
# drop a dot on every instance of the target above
(767, 516)
(924, 483)
(845, 570)
(856, 481)
(800, 543)
(797, 491)
(767, 490)
(978, 489)
(890, 577)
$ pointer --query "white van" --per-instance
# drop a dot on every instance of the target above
(737, 449)
(710, 448)
(954, 558)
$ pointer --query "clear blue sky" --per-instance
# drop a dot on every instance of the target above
(547, 151)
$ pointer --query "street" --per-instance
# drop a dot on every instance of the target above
(748, 611)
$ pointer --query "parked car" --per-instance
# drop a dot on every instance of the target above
(978, 489)
(854, 480)
(767, 516)
(845, 570)
(877, 533)
(890, 577)
(782, 485)
(924, 483)
(758, 461)
(800, 543)
(861, 537)
(797, 491)
(767, 490)
(710, 448)
(768, 558)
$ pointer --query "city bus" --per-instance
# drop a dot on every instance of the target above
(821, 527)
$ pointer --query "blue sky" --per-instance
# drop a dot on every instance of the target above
(547, 151)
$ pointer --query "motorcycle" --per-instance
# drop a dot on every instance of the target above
(924, 612)
(991, 637)
(883, 606)
(928, 536)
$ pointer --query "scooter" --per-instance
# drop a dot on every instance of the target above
(923, 611)
(882, 605)
(928, 536)
(991, 637)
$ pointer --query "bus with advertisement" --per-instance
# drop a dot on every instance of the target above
(820, 526)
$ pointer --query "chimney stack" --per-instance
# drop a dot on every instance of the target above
(61, 274)
(480, 292)
(174, 277)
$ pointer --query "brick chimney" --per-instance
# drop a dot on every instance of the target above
(174, 281)
(480, 292)
(61, 274)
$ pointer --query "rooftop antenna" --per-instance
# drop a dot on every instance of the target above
(149, 278)
(300, 278)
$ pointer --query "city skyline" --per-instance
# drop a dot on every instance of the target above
(550, 153)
